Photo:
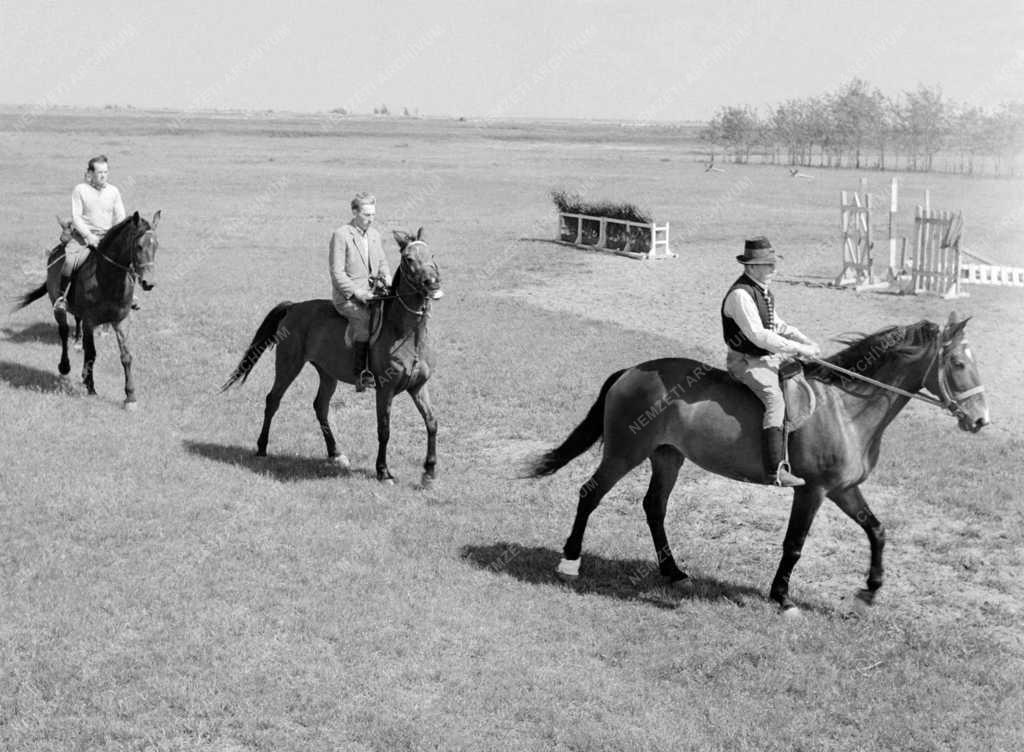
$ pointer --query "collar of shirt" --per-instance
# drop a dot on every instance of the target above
(762, 285)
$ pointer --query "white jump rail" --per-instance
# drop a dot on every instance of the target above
(986, 274)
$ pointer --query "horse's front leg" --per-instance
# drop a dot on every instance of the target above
(384, 398)
(121, 332)
(76, 339)
(89, 354)
(64, 367)
(421, 397)
(806, 502)
(852, 501)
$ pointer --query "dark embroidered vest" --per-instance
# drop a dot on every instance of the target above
(733, 335)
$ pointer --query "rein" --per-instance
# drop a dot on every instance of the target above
(950, 400)
(133, 268)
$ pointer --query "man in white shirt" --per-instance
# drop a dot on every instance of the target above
(758, 342)
(96, 206)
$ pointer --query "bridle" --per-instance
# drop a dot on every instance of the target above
(949, 399)
(418, 288)
(134, 268)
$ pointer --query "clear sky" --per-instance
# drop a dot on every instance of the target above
(653, 60)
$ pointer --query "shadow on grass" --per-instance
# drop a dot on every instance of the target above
(624, 579)
(41, 331)
(283, 467)
(27, 377)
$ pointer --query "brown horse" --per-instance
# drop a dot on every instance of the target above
(401, 358)
(101, 293)
(672, 409)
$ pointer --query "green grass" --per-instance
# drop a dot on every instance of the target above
(163, 589)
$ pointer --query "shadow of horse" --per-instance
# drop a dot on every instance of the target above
(26, 377)
(41, 331)
(284, 468)
(623, 579)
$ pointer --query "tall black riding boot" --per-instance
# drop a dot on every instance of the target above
(359, 353)
(775, 465)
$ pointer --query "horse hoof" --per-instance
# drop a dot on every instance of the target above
(680, 586)
(341, 461)
(389, 481)
(426, 481)
(791, 612)
(131, 406)
(568, 569)
(261, 454)
(863, 600)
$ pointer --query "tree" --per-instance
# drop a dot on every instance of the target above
(857, 111)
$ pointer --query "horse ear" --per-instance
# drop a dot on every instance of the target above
(419, 234)
(402, 239)
(135, 218)
(156, 219)
(954, 327)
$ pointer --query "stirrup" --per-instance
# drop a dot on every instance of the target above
(784, 477)
(365, 380)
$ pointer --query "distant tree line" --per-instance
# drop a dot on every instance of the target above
(859, 127)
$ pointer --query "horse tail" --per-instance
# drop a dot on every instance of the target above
(580, 440)
(266, 337)
(31, 297)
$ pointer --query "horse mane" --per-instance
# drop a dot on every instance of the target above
(396, 278)
(114, 234)
(868, 353)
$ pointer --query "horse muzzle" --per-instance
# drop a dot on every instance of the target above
(147, 285)
(973, 423)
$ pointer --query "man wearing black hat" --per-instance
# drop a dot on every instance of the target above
(758, 342)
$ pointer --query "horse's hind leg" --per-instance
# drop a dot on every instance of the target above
(665, 464)
(322, 408)
(287, 368)
(806, 502)
(608, 473)
(852, 501)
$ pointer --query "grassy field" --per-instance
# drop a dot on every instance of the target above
(163, 589)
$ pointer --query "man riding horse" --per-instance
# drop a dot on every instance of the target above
(96, 206)
(758, 341)
(356, 260)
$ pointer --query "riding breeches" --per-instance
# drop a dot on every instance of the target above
(358, 316)
(761, 375)
(74, 256)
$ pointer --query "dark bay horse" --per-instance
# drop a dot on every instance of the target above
(101, 293)
(673, 409)
(401, 358)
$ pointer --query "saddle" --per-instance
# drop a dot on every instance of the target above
(800, 399)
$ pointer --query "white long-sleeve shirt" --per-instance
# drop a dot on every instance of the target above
(94, 212)
(740, 306)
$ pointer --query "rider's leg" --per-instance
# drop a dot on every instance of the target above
(74, 257)
(358, 316)
(762, 376)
